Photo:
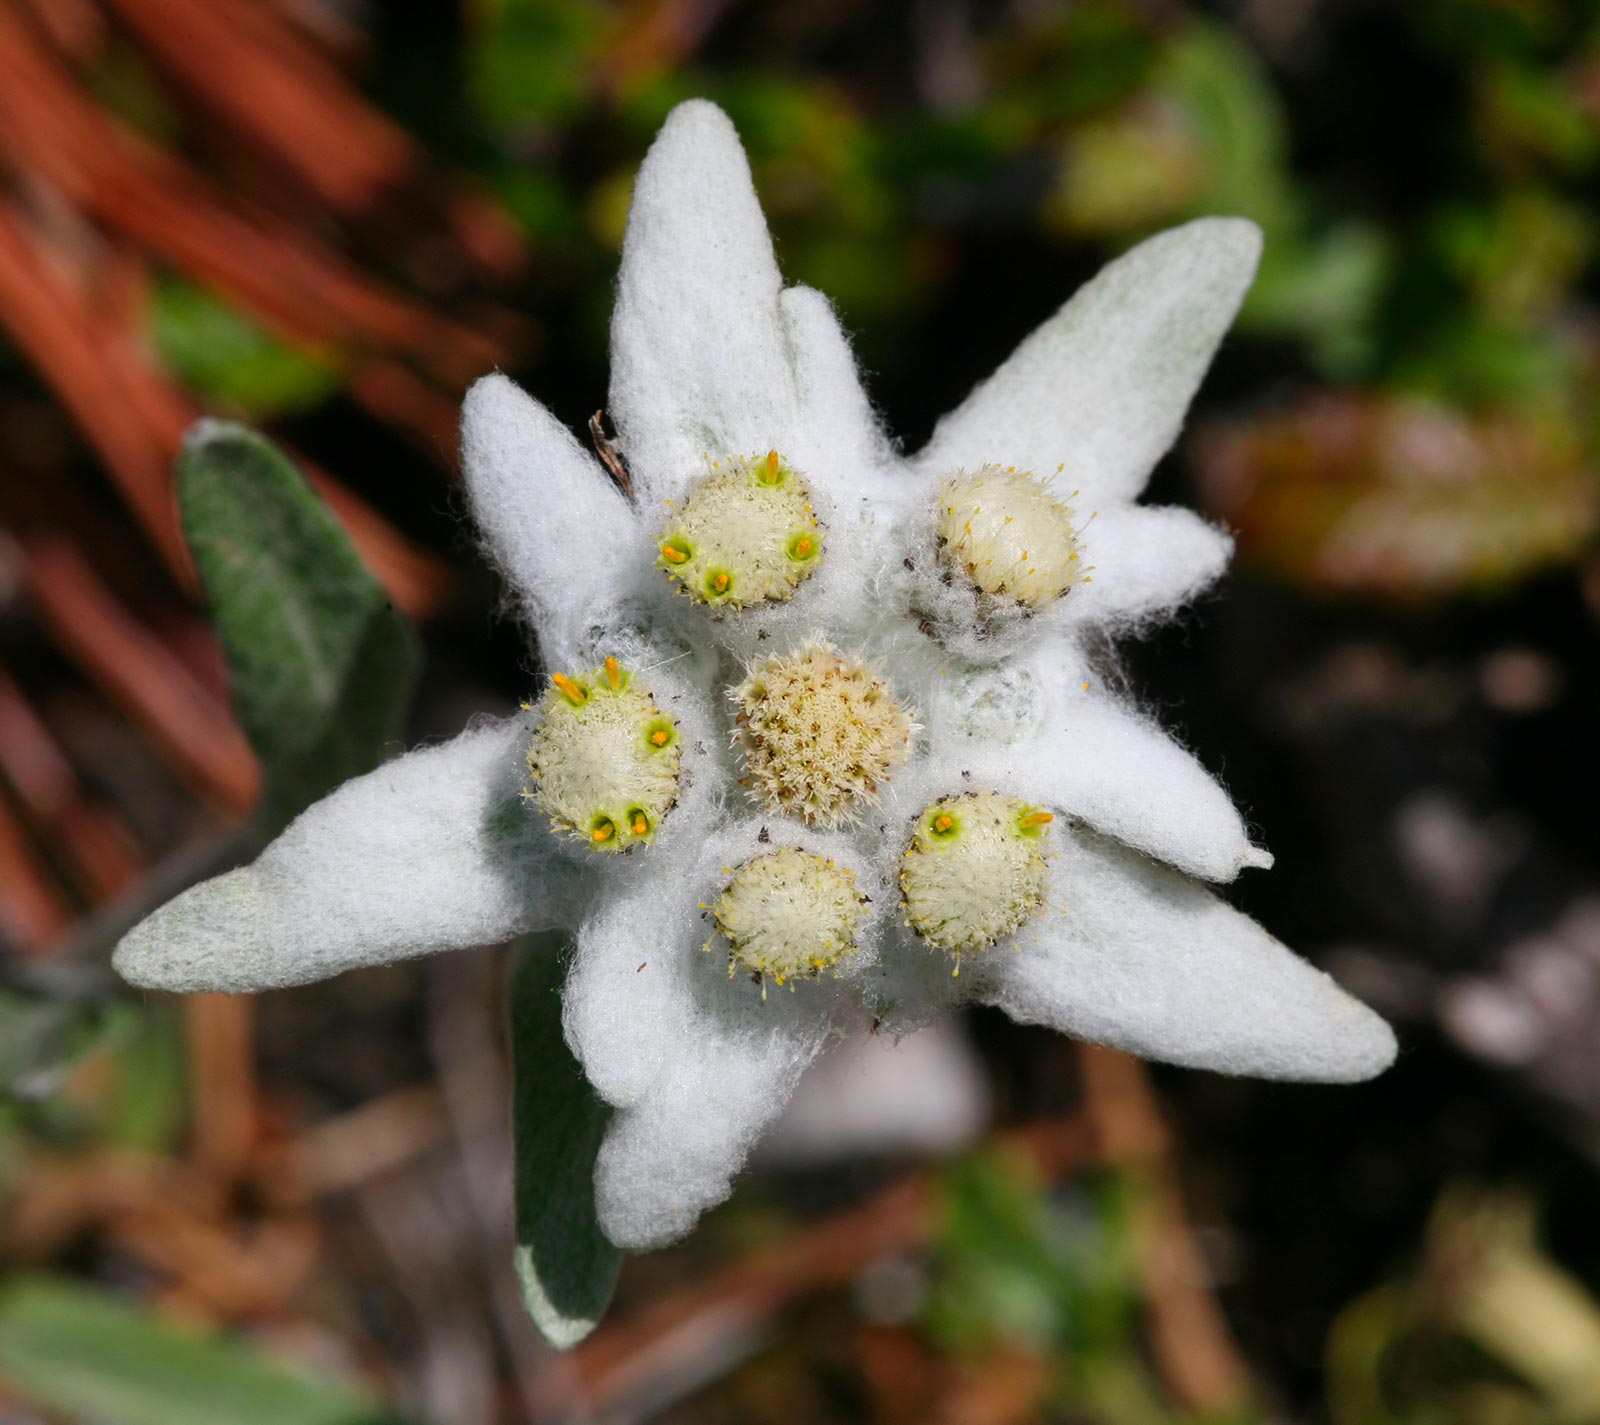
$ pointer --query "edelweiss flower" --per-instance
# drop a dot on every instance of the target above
(825, 745)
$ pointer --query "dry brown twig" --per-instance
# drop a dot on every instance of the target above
(1194, 1350)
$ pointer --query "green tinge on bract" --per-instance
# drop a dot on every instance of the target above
(320, 663)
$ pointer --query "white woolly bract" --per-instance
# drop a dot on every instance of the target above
(973, 872)
(710, 353)
(604, 760)
(789, 914)
(1004, 531)
(819, 731)
(746, 534)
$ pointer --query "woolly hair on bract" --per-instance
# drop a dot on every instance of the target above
(1103, 929)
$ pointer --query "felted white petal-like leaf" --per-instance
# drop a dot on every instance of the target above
(642, 977)
(1103, 764)
(1101, 388)
(628, 999)
(699, 365)
(1141, 958)
(1147, 563)
(675, 1153)
(433, 851)
(838, 440)
(560, 530)
(1127, 777)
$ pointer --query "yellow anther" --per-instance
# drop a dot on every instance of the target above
(659, 737)
(603, 832)
(614, 675)
(943, 822)
(772, 467)
(640, 826)
(719, 582)
(802, 546)
(1035, 818)
(571, 691)
(672, 554)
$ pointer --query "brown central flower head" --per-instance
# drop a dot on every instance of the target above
(819, 731)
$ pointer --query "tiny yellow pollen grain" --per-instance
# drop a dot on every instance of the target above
(1086, 687)
(614, 674)
(571, 691)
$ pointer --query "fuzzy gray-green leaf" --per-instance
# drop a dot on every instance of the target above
(565, 1265)
(321, 664)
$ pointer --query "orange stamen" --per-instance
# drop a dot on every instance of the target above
(571, 691)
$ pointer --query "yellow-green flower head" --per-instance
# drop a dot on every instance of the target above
(604, 759)
(746, 533)
(974, 871)
(789, 915)
(1007, 535)
(819, 731)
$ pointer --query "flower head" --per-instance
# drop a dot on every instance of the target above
(745, 534)
(819, 732)
(1026, 826)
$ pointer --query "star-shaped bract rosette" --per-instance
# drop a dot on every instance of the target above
(879, 811)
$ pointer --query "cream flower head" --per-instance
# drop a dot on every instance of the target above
(962, 795)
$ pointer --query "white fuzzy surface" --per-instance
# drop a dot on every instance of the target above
(1147, 562)
(1102, 387)
(433, 851)
(712, 357)
(1140, 958)
(698, 1064)
(698, 360)
(554, 523)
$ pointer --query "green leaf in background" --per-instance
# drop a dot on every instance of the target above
(566, 1266)
(43, 1036)
(322, 665)
(81, 1352)
(228, 358)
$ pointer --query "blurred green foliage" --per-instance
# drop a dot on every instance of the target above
(231, 360)
(1487, 1330)
(1017, 1266)
(1092, 125)
(82, 1352)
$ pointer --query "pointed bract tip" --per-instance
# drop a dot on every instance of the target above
(700, 115)
(1239, 240)
(1372, 1048)
(1257, 858)
(209, 429)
